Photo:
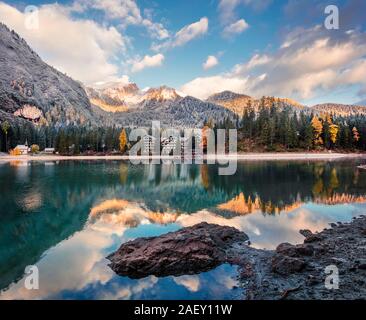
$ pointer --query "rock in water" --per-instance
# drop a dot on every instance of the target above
(187, 251)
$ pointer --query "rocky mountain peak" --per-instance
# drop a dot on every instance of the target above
(226, 95)
(161, 94)
(122, 89)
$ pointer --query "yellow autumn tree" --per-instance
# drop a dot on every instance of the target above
(205, 177)
(15, 152)
(34, 148)
(355, 134)
(123, 141)
(333, 132)
(318, 130)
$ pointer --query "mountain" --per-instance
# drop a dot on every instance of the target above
(114, 97)
(158, 97)
(339, 109)
(187, 112)
(122, 97)
(161, 94)
(227, 96)
(233, 101)
(361, 103)
(32, 90)
(106, 102)
(131, 106)
(238, 103)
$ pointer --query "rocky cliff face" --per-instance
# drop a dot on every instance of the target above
(32, 90)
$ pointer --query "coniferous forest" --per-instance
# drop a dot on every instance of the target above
(264, 129)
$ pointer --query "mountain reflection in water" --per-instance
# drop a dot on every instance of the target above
(66, 217)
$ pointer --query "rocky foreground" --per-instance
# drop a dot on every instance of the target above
(187, 251)
(289, 272)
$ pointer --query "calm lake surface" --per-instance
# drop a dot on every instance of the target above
(66, 217)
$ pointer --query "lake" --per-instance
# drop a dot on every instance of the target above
(65, 217)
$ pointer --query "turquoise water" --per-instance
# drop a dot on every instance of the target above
(66, 217)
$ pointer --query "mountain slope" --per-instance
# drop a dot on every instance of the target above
(133, 107)
(32, 90)
(232, 101)
(123, 97)
(339, 109)
(361, 103)
(184, 112)
(238, 103)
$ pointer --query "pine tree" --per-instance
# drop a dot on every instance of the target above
(308, 136)
(326, 134)
(5, 126)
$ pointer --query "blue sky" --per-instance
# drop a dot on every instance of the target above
(268, 47)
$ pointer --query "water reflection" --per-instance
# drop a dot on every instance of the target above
(66, 217)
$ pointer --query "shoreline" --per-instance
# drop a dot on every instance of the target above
(288, 272)
(227, 157)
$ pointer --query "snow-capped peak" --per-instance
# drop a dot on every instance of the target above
(161, 94)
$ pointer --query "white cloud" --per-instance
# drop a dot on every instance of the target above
(81, 48)
(148, 62)
(255, 61)
(205, 86)
(124, 80)
(236, 28)
(191, 282)
(210, 62)
(311, 64)
(127, 12)
(228, 8)
(191, 32)
(157, 30)
(123, 9)
(185, 35)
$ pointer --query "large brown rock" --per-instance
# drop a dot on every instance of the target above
(187, 251)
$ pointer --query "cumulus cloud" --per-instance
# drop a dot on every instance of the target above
(210, 62)
(148, 62)
(203, 87)
(235, 28)
(81, 48)
(185, 35)
(192, 283)
(127, 12)
(124, 80)
(313, 62)
(191, 32)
